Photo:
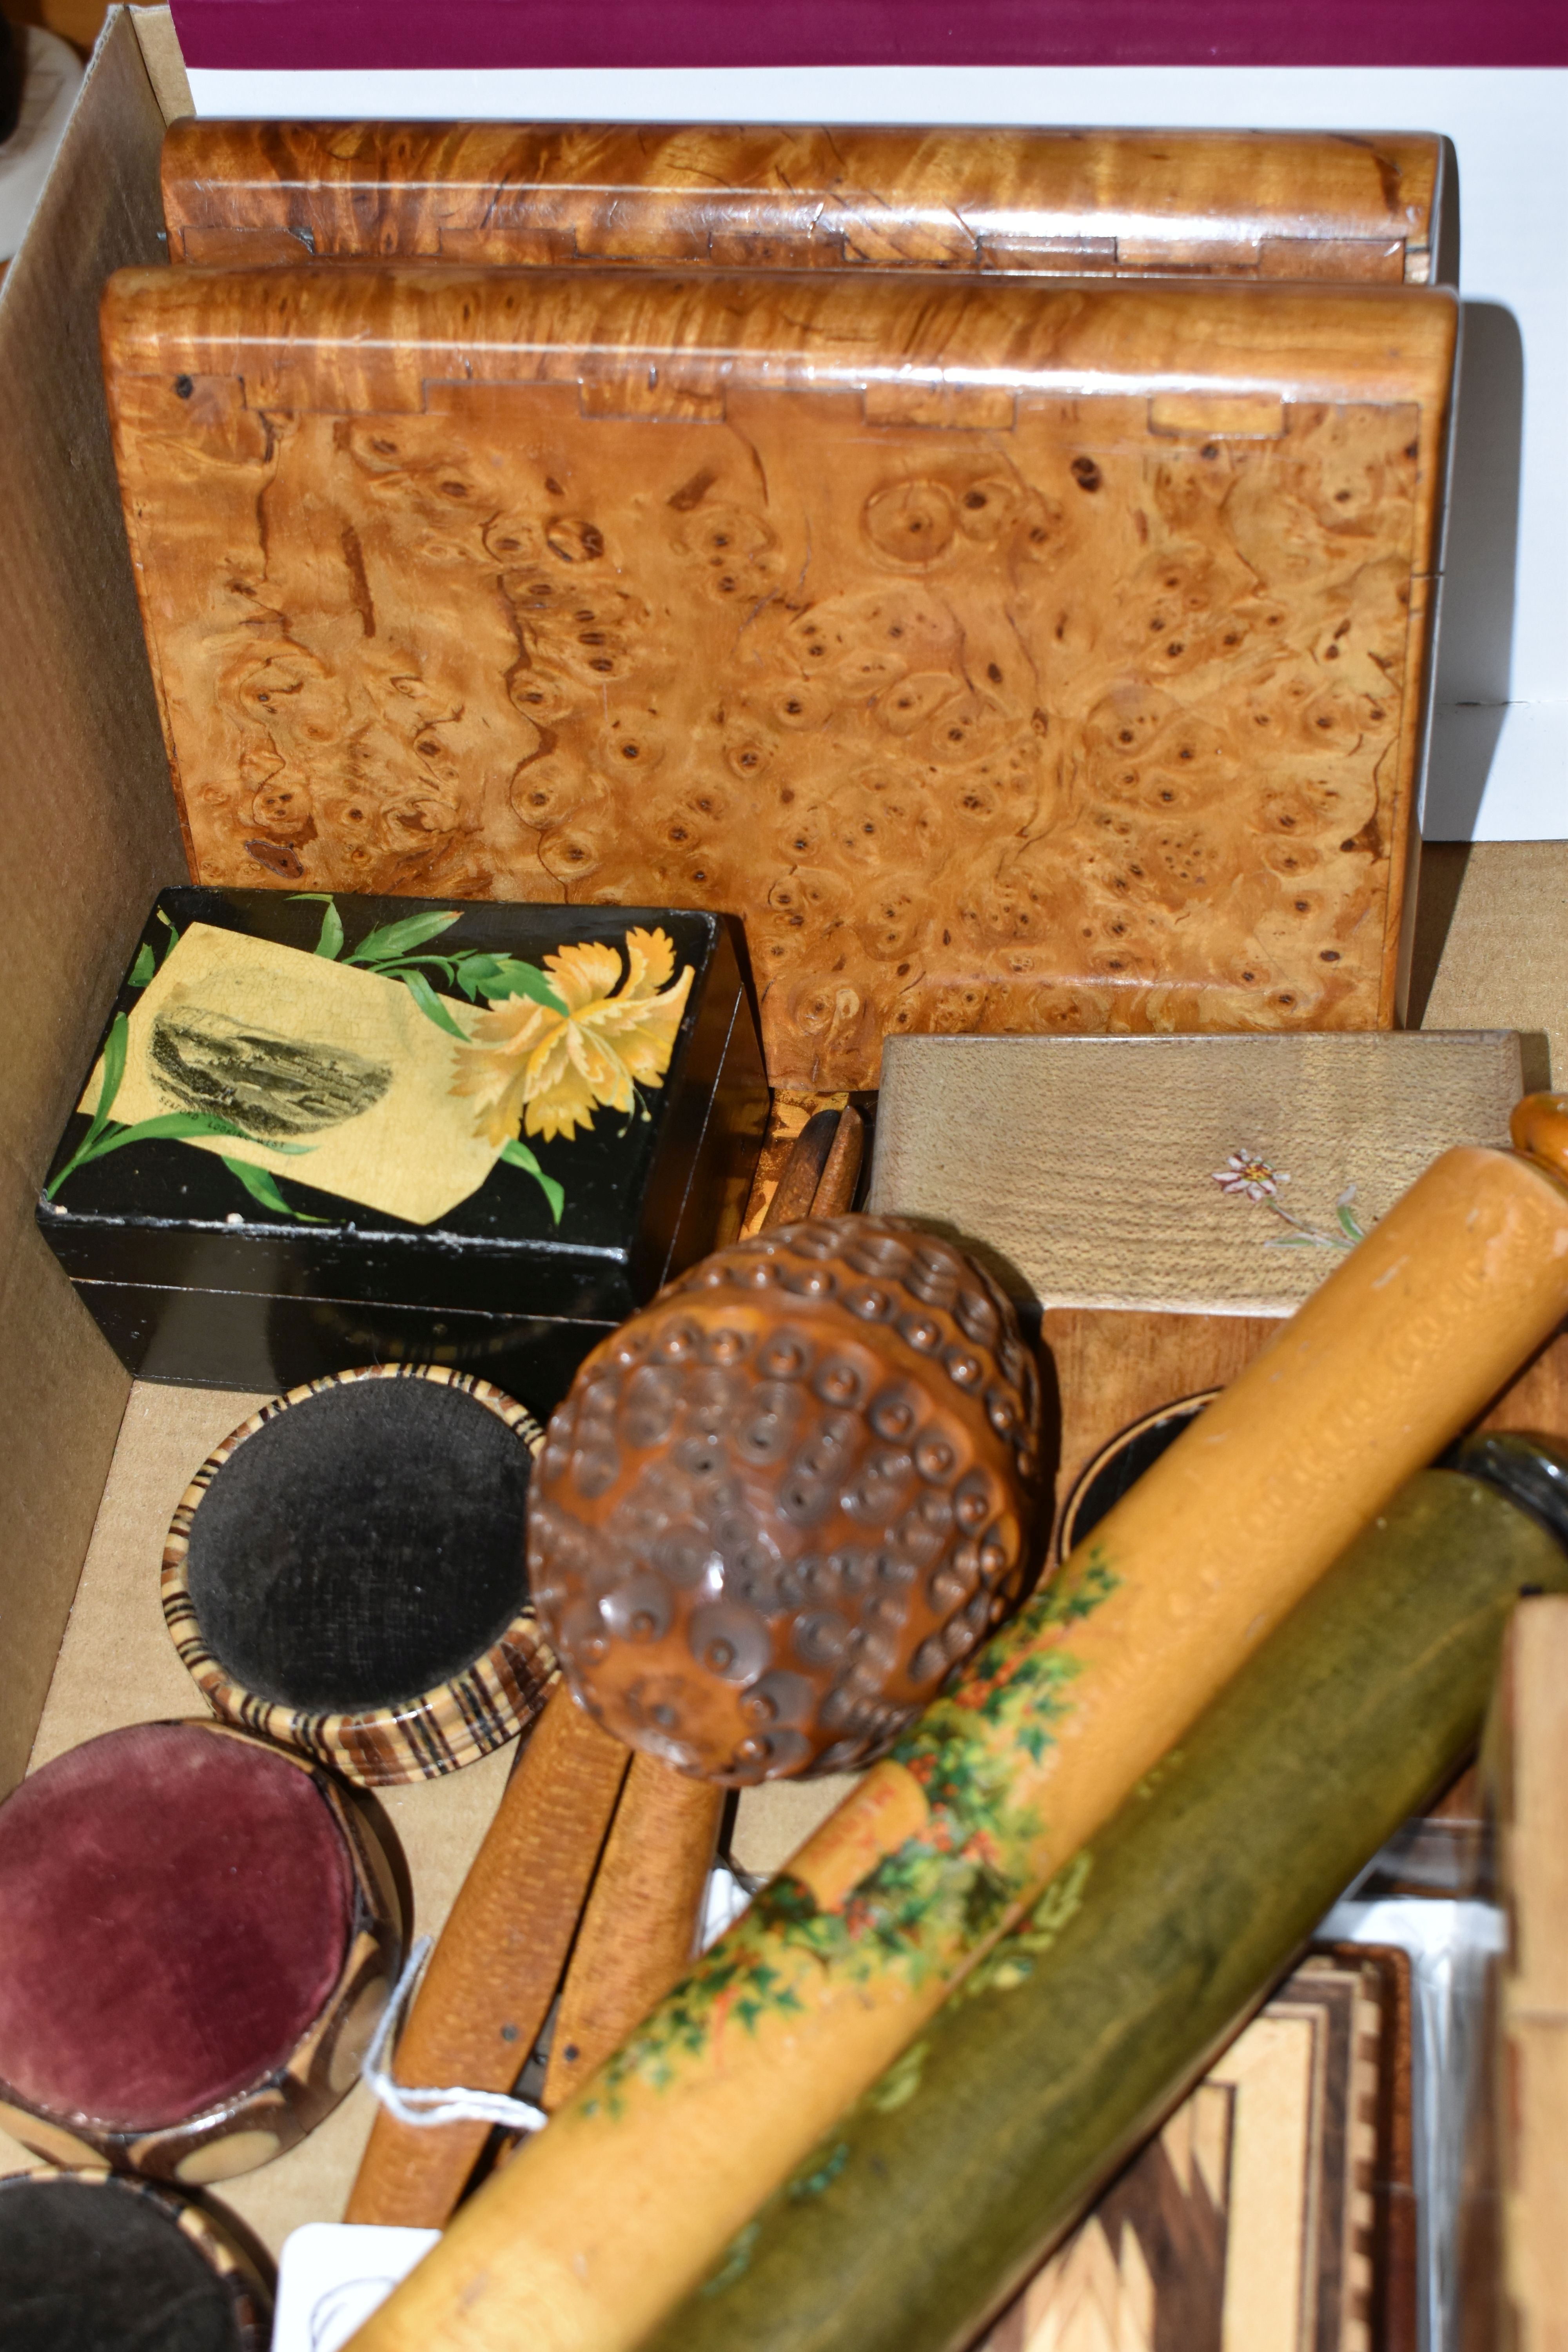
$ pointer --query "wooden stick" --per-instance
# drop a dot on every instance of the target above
(639, 1932)
(841, 1172)
(1527, 1760)
(802, 1171)
(493, 1974)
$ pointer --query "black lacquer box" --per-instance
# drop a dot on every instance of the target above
(328, 1132)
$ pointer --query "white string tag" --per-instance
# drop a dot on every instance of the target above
(421, 2106)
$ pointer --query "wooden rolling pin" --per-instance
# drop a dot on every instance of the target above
(618, 2208)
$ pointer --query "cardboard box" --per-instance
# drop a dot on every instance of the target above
(94, 1464)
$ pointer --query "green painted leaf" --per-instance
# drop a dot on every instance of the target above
(171, 1126)
(331, 942)
(471, 968)
(113, 1071)
(263, 1187)
(395, 939)
(145, 965)
(737, 2260)
(518, 1155)
(114, 1048)
(513, 978)
(430, 1004)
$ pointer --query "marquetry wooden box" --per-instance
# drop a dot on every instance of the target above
(1013, 656)
(1272, 204)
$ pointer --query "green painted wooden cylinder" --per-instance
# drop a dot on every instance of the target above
(932, 2202)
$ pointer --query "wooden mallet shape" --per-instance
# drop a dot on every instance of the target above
(499, 1962)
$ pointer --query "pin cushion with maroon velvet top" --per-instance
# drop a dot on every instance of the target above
(197, 1932)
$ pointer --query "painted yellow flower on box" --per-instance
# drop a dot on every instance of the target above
(549, 1067)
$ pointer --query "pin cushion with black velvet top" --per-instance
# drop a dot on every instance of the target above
(323, 1131)
(346, 1573)
(95, 2262)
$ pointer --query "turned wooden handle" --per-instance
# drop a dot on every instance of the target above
(802, 1171)
(834, 1192)
(493, 1974)
(1540, 1128)
(639, 1932)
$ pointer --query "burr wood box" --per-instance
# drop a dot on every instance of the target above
(1013, 655)
(322, 1133)
(1029, 202)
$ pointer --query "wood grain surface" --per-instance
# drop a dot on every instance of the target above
(1247, 2219)
(640, 1931)
(841, 1172)
(1001, 685)
(494, 1971)
(1528, 1753)
(1213, 1174)
(1111, 1368)
(1257, 204)
(804, 1169)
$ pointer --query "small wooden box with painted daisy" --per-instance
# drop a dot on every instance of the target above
(324, 1131)
(1195, 1176)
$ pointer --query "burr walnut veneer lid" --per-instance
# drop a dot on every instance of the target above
(1017, 656)
(1241, 203)
(195, 1940)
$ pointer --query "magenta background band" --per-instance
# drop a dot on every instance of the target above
(546, 34)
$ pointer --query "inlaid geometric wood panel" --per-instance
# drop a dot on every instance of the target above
(1012, 656)
(1263, 204)
(1247, 2223)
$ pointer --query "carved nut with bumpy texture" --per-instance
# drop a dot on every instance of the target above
(782, 1502)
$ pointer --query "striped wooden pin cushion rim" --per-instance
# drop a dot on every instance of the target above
(250, 2298)
(452, 1724)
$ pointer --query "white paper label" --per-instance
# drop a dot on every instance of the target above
(333, 2275)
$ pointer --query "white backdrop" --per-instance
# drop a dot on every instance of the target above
(1499, 742)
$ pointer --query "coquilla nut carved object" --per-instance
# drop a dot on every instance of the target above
(783, 1501)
